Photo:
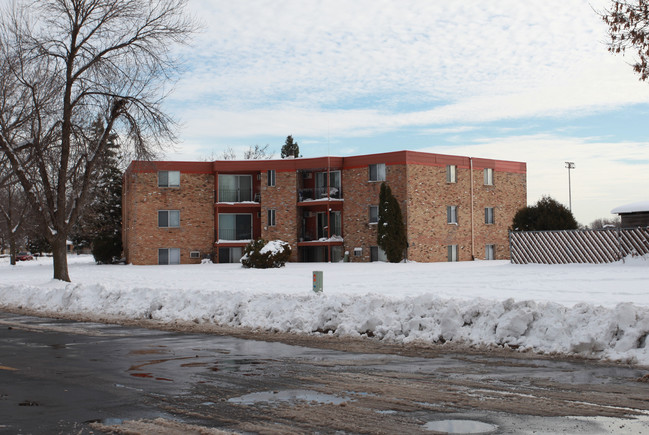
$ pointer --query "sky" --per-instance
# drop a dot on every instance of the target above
(524, 81)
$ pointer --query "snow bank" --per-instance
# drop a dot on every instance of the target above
(599, 311)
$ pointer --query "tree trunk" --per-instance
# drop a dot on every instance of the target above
(12, 249)
(60, 257)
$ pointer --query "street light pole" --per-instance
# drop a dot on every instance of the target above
(569, 166)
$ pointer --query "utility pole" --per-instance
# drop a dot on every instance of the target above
(569, 166)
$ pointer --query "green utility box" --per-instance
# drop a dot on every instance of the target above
(317, 281)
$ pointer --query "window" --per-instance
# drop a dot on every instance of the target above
(452, 252)
(235, 188)
(168, 178)
(377, 254)
(450, 173)
(331, 228)
(271, 178)
(271, 217)
(490, 252)
(169, 256)
(235, 226)
(451, 214)
(374, 214)
(489, 215)
(168, 218)
(230, 255)
(377, 172)
(358, 252)
(488, 177)
(195, 254)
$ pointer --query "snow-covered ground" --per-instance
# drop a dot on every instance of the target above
(599, 311)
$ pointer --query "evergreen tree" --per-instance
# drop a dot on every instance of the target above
(101, 225)
(290, 148)
(391, 231)
(547, 214)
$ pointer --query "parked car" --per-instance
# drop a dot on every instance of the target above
(24, 256)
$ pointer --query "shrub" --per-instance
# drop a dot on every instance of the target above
(260, 254)
(107, 249)
(546, 214)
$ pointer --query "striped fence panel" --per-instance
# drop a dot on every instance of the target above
(577, 246)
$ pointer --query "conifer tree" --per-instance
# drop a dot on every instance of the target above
(101, 225)
(391, 230)
(290, 148)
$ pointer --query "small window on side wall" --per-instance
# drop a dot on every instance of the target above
(488, 177)
(452, 252)
(451, 176)
(168, 178)
(377, 172)
(490, 252)
(489, 215)
(271, 177)
(374, 214)
(451, 214)
(271, 217)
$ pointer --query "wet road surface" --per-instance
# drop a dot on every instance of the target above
(59, 376)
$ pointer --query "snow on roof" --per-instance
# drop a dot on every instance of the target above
(632, 207)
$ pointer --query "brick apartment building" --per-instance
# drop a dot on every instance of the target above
(454, 208)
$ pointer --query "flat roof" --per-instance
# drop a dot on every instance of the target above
(301, 163)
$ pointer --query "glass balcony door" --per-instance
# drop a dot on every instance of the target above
(235, 188)
(235, 226)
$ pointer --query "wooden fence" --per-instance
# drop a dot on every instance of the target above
(577, 246)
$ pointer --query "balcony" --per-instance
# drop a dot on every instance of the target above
(319, 193)
(236, 195)
(235, 234)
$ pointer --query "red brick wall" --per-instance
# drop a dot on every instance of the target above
(429, 195)
(359, 194)
(142, 200)
(283, 199)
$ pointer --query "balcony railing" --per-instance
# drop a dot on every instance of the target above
(235, 234)
(319, 193)
(235, 195)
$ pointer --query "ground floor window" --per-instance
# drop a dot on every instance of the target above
(490, 252)
(452, 252)
(230, 255)
(168, 256)
(377, 254)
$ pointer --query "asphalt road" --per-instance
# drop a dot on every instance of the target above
(60, 376)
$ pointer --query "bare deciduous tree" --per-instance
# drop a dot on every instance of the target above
(628, 24)
(63, 63)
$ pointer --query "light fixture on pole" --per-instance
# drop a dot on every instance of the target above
(569, 166)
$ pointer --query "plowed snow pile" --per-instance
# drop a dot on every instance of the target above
(599, 311)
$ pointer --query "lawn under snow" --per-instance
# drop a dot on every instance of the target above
(599, 311)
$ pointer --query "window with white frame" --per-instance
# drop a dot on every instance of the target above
(451, 214)
(451, 176)
(168, 178)
(271, 177)
(358, 252)
(490, 252)
(168, 218)
(452, 252)
(489, 215)
(377, 172)
(169, 256)
(271, 217)
(488, 177)
(374, 214)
